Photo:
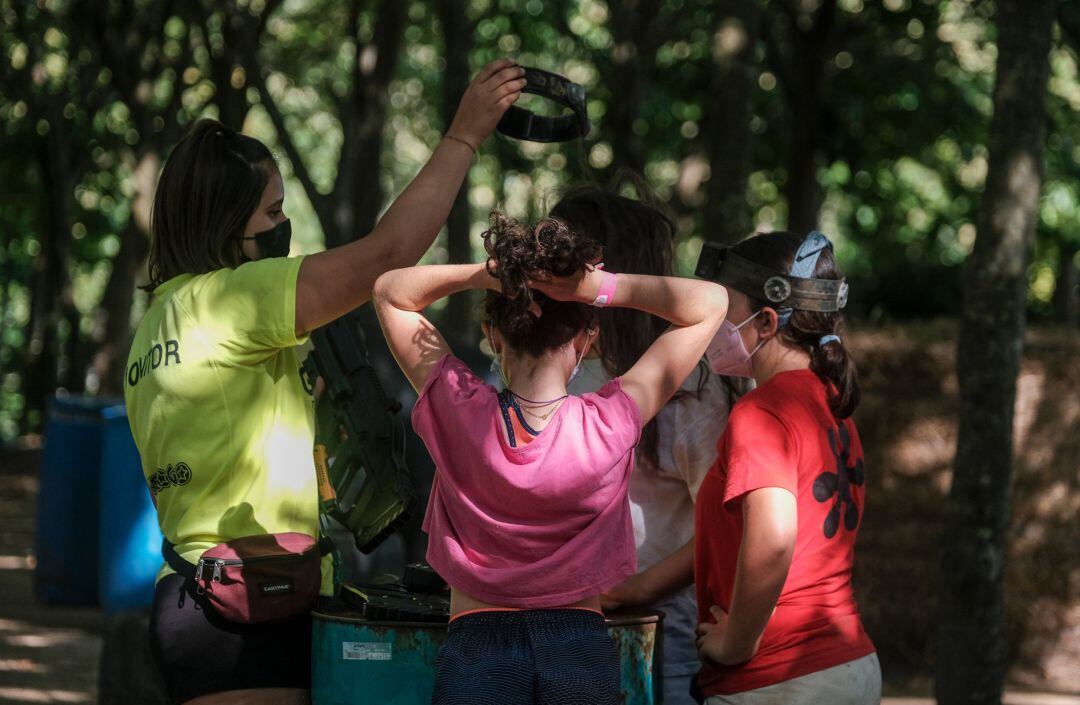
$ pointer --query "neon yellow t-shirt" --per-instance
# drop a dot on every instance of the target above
(218, 410)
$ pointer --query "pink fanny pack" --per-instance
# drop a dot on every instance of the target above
(256, 579)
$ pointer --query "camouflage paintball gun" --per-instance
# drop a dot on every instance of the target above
(359, 439)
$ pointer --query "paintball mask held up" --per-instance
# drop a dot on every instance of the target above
(523, 124)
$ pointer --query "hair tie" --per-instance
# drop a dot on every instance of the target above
(826, 339)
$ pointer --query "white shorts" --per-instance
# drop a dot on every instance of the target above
(856, 682)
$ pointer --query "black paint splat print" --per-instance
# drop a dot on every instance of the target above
(839, 484)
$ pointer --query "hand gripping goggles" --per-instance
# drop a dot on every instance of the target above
(787, 292)
(524, 124)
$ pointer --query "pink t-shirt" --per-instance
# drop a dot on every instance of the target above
(541, 525)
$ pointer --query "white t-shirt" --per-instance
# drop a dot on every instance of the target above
(662, 498)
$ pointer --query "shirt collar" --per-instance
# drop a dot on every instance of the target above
(171, 285)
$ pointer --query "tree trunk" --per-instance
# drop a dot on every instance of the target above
(457, 37)
(61, 190)
(358, 194)
(730, 108)
(39, 371)
(6, 275)
(972, 651)
(634, 29)
(1067, 288)
(801, 190)
(113, 334)
(805, 78)
(51, 296)
(240, 33)
(125, 45)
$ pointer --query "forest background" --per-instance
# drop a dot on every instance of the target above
(869, 119)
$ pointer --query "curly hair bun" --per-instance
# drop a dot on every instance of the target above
(516, 252)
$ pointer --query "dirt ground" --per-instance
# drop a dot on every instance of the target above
(51, 655)
(908, 428)
(47, 654)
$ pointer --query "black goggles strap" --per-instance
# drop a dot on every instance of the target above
(526, 125)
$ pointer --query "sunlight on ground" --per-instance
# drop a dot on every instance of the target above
(1009, 699)
(17, 562)
(44, 641)
(38, 695)
(22, 665)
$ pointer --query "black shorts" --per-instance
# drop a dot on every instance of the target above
(528, 657)
(199, 652)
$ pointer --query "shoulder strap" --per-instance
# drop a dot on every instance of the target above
(182, 567)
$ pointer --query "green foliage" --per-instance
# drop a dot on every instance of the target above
(905, 106)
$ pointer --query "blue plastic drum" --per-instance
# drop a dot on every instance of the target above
(97, 540)
(129, 540)
(67, 509)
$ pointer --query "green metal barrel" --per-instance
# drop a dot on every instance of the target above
(360, 662)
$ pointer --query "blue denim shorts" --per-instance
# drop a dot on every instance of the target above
(541, 657)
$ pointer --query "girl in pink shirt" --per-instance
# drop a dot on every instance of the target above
(528, 518)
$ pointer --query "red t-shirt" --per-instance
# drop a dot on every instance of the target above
(782, 434)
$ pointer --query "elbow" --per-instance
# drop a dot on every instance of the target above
(776, 545)
(392, 290)
(777, 549)
(716, 298)
(380, 291)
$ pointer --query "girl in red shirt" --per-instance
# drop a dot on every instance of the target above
(778, 514)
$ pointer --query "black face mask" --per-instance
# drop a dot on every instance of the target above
(273, 242)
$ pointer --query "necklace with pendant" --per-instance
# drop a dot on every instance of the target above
(542, 417)
(530, 404)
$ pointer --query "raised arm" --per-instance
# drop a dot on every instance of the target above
(695, 309)
(400, 296)
(334, 282)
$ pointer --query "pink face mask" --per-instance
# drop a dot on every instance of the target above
(726, 353)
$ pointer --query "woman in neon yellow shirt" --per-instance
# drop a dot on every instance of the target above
(214, 396)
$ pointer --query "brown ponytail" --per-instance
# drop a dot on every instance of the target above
(514, 251)
(831, 362)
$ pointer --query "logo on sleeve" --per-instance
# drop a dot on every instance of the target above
(170, 476)
(838, 484)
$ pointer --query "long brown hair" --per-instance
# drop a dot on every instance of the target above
(832, 363)
(211, 184)
(638, 237)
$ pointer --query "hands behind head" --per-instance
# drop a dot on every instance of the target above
(580, 287)
(494, 89)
